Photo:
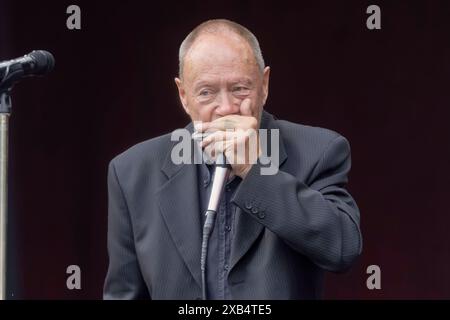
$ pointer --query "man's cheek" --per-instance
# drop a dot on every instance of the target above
(206, 115)
(255, 109)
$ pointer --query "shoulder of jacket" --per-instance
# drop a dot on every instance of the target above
(153, 150)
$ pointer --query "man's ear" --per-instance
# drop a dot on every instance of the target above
(182, 94)
(266, 75)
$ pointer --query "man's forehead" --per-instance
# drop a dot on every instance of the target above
(214, 54)
(211, 73)
(227, 47)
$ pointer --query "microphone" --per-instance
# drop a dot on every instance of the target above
(221, 172)
(36, 63)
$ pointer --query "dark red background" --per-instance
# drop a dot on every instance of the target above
(387, 91)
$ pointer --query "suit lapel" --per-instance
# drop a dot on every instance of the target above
(179, 205)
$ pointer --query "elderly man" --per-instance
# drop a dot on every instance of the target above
(274, 235)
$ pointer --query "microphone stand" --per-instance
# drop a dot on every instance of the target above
(221, 173)
(38, 62)
(5, 112)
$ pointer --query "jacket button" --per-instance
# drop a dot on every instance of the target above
(248, 205)
(261, 215)
(255, 210)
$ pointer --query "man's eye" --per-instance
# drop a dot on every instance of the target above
(205, 93)
(240, 90)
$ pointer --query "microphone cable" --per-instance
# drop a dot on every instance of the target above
(221, 174)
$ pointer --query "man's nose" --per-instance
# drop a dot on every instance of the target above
(227, 104)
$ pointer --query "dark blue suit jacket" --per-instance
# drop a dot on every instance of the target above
(290, 226)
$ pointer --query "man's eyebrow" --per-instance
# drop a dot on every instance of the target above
(246, 81)
(201, 83)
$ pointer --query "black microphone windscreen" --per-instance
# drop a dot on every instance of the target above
(44, 61)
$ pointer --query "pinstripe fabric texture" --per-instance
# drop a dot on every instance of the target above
(289, 227)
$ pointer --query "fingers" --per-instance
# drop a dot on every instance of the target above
(229, 134)
(214, 148)
(229, 122)
(210, 154)
(213, 137)
(223, 124)
(219, 142)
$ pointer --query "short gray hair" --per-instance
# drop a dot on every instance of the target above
(215, 26)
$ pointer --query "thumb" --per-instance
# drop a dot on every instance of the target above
(245, 107)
